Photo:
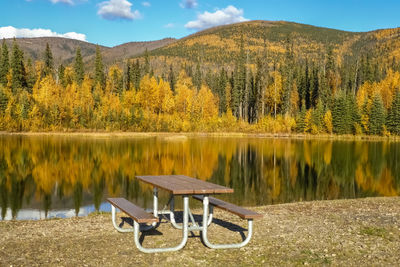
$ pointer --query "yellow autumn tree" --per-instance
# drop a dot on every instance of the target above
(148, 95)
(328, 121)
(273, 93)
(184, 97)
(165, 103)
(207, 103)
(114, 81)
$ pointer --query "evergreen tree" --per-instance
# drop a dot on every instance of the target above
(301, 118)
(78, 67)
(318, 115)
(18, 68)
(258, 90)
(4, 63)
(99, 68)
(197, 79)
(128, 75)
(287, 72)
(171, 78)
(222, 81)
(3, 100)
(368, 71)
(377, 116)
(394, 115)
(344, 114)
(61, 75)
(314, 90)
(235, 96)
(330, 72)
(48, 61)
(30, 75)
(146, 62)
(353, 115)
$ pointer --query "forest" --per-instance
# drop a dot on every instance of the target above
(258, 95)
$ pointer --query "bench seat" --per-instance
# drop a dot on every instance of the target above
(136, 213)
(239, 211)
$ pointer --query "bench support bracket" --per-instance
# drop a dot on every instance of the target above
(204, 230)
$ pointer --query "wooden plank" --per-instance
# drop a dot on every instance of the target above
(135, 212)
(239, 211)
(184, 185)
(164, 182)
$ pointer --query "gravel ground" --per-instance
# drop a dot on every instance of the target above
(340, 232)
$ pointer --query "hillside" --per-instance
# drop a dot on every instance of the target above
(64, 49)
(221, 45)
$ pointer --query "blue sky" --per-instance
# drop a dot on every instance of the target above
(113, 22)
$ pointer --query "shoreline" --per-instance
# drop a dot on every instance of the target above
(350, 232)
(104, 134)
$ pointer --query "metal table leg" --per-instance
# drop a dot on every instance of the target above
(184, 232)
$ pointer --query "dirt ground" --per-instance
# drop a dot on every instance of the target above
(340, 232)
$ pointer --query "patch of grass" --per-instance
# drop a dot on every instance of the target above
(310, 257)
(374, 231)
(97, 213)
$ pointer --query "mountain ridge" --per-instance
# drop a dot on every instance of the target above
(219, 45)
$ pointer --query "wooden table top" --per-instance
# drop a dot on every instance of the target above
(184, 185)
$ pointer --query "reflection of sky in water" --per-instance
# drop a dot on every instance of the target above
(35, 214)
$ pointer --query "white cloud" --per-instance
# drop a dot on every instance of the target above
(188, 4)
(146, 4)
(11, 32)
(117, 9)
(169, 25)
(70, 2)
(224, 16)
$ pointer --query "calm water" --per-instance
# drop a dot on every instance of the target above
(67, 176)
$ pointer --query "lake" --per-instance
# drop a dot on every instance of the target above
(60, 176)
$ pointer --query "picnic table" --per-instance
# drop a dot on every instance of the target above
(180, 185)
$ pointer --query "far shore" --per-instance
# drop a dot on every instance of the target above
(356, 232)
(172, 135)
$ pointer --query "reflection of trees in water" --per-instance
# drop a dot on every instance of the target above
(262, 171)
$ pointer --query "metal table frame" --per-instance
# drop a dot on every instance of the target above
(206, 221)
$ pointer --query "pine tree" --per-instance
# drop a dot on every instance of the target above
(344, 113)
(99, 68)
(377, 116)
(235, 96)
(318, 115)
(4, 63)
(339, 114)
(314, 90)
(221, 92)
(301, 119)
(3, 100)
(239, 86)
(394, 115)
(78, 67)
(137, 74)
(330, 72)
(128, 75)
(171, 78)
(352, 115)
(61, 75)
(48, 61)
(287, 72)
(146, 62)
(30, 75)
(197, 79)
(18, 68)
